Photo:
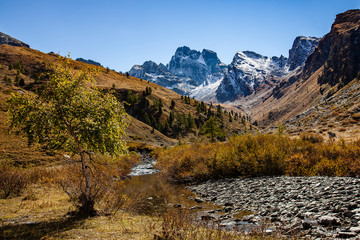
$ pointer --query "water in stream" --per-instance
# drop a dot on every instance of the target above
(152, 194)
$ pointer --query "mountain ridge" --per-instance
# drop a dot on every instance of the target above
(208, 79)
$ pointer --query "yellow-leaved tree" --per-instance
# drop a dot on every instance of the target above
(71, 115)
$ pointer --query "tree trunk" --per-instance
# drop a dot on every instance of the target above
(87, 202)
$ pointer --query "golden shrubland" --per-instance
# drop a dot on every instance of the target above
(260, 155)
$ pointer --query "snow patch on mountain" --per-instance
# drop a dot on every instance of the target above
(207, 90)
(246, 72)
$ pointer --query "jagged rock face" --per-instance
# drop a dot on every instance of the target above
(245, 73)
(6, 39)
(89, 61)
(159, 74)
(248, 69)
(301, 49)
(186, 70)
(187, 63)
(338, 51)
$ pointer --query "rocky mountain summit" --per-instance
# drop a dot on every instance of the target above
(6, 39)
(159, 74)
(247, 70)
(187, 63)
(301, 49)
(187, 69)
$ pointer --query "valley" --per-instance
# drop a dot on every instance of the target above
(266, 146)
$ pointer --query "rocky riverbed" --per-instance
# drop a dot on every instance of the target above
(145, 167)
(310, 207)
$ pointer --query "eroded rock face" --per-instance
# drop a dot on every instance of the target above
(159, 74)
(6, 39)
(246, 72)
(188, 63)
(301, 49)
(186, 70)
(338, 51)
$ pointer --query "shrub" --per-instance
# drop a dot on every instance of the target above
(13, 181)
(311, 137)
(107, 181)
(261, 155)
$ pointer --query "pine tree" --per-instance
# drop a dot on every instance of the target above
(211, 128)
(190, 121)
(172, 104)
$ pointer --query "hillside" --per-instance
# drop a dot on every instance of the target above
(23, 63)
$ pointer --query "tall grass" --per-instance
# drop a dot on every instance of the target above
(260, 155)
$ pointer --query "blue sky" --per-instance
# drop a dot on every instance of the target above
(119, 34)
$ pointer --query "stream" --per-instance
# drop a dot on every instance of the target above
(154, 194)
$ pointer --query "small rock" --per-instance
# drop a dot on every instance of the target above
(228, 209)
(195, 207)
(346, 235)
(198, 200)
(329, 220)
(348, 214)
(355, 229)
(229, 204)
(207, 218)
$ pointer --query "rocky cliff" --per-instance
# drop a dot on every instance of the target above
(338, 51)
(188, 63)
(246, 72)
(325, 81)
(187, 69)
(159, 74)
(301, 49)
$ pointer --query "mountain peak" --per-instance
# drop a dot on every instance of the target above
(189, 63)
(6, 39)
(350, 16)
(302, 47)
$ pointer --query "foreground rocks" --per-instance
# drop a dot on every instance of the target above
(312, 207)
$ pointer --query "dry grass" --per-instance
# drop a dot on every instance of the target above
(41, 212)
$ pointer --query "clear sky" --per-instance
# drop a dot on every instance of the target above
(119, 34)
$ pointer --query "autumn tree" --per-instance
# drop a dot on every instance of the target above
(71, 115)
